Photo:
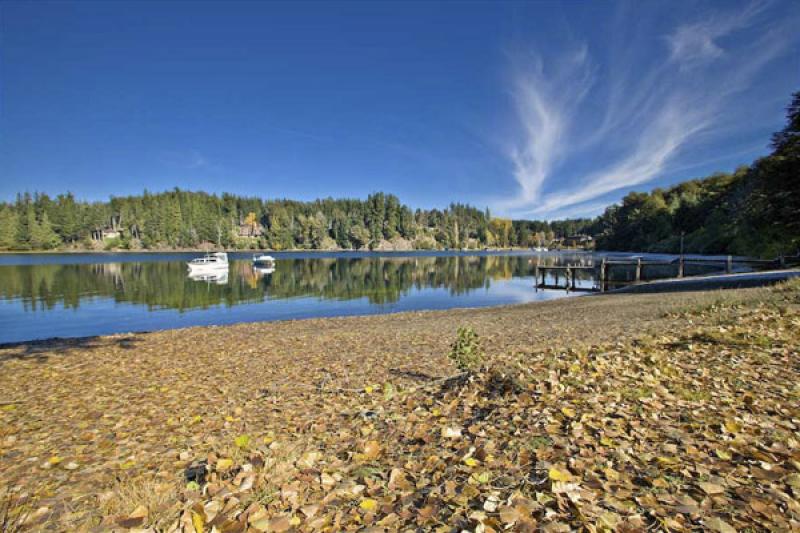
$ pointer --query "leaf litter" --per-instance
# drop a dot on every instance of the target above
(694, 425)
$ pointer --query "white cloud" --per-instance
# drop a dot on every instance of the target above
(546, 102)
(692, 45)
(651, 112)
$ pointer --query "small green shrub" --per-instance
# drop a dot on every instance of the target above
(466, 352)
(14, 512)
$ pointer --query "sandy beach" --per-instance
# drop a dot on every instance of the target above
(81, 417)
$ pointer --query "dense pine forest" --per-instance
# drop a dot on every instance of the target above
(753, 211)
(185, 219)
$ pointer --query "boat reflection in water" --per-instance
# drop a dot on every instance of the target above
(218, 278)
(84, 299)
(261, 271)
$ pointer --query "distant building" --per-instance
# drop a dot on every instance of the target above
(101, 234)
(576, 241)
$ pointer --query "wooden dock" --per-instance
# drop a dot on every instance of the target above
(601, 273)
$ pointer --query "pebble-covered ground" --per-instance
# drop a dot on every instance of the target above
(616, 412)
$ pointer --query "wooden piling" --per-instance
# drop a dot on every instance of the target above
(602, 279)
(729, 265)
(680, 267)
(638, 270)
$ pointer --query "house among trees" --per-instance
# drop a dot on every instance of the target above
(578, 241)
(107, 232)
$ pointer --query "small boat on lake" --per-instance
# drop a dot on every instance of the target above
(209, 263)
(539, 249)
(264, 260)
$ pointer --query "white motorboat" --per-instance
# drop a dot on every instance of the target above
(264, 260)
(209, 263)
(539, 249)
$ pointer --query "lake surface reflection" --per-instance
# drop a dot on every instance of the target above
(68, 295)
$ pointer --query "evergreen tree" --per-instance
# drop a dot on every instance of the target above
(42, 235)
(8, 228)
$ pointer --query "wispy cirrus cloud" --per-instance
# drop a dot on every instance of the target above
(652, 109)
(545, 102)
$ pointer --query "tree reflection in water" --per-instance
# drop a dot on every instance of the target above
(167, 285)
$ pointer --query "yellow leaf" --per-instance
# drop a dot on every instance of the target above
(723, 454)
(609, 521)
(242, 441)
(568, 412)
(793, 480)
(368, 389)
(127, 465)
(605, 441)
(372, 449)
(368, 504)
(436, 411)
(471, 461)
(480, 477)
(712, 488)
(55, 460)
(224, 464)
(198, 523)
(715, 524)
(558, 475)
(731, 426)
(295, 521)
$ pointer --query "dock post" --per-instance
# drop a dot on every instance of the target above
(638, 269)
(680, 267)
(567, 274)
(729, 265)
(536, 277)
(573, 281)
(602, 279)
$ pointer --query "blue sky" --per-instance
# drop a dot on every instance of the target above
(537, 110)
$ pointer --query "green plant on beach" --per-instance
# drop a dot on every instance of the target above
(13, 513)
(466, 352)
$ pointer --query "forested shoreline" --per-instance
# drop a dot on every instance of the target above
(189, 220)
(753, 211)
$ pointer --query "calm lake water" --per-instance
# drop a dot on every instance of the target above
(75, 295)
